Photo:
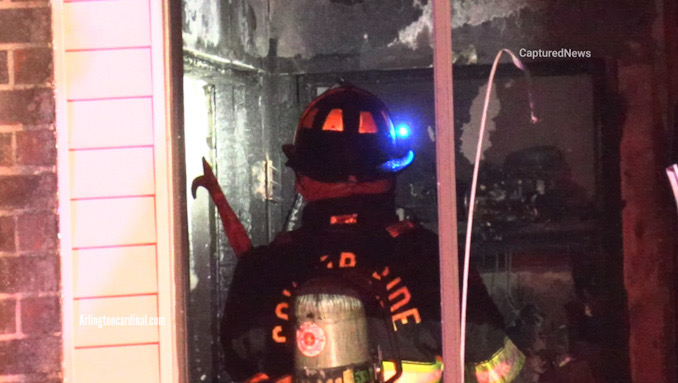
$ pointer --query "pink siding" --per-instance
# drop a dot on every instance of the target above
(89, 335)
(130, 270)
(111, 91)
(112, 172)
(100, 74)
(86, 32)
(109, 222)
(110, 123)
(112, 364)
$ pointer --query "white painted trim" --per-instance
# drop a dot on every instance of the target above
(172, 356)
(64, 195)
(447, 205)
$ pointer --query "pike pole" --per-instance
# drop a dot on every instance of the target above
(234, 229)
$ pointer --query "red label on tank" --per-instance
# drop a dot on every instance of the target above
(310, 339)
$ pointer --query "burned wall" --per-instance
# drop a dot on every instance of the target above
(333, 35)
(606, 28)
(226, 126)
(233, 32)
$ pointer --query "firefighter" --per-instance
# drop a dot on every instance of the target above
(346, 156)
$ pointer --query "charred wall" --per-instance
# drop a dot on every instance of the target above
(234, 32)
(310, 36)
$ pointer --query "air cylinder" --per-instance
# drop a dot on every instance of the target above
(332, 342)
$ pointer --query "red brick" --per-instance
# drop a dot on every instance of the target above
(36, 147)
(31, 355)
(41, 378)
(27, 106)
(37, 231)
(4, 72)
(7, 242)
(29, 274)
(27, 191)
(32, 66)
(8, 316)
(40, 315)
(6, 157)
(25, 25)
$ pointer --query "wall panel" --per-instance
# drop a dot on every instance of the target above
(115, 193)
(106, 30)
(131, 364)
(108, 73)
(112, 172)
(90, 313)
(110, 123)
(113, 222)
(129, 270)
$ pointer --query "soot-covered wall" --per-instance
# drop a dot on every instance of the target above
(341, 35)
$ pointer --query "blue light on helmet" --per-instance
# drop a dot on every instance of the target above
(397, 164)
(403, 131)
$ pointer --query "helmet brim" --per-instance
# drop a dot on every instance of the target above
(390, 167)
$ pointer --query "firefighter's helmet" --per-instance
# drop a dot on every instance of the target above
(347, 133)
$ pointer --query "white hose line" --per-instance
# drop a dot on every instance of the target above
(474, 184)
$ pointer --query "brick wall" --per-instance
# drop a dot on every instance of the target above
(30, 327)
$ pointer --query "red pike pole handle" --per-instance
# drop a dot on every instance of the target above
(235, 231)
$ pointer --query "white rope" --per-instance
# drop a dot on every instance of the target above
(474, 184)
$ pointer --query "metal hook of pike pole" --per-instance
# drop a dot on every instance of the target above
(234, 229)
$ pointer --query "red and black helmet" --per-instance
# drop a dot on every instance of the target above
(347, 133)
